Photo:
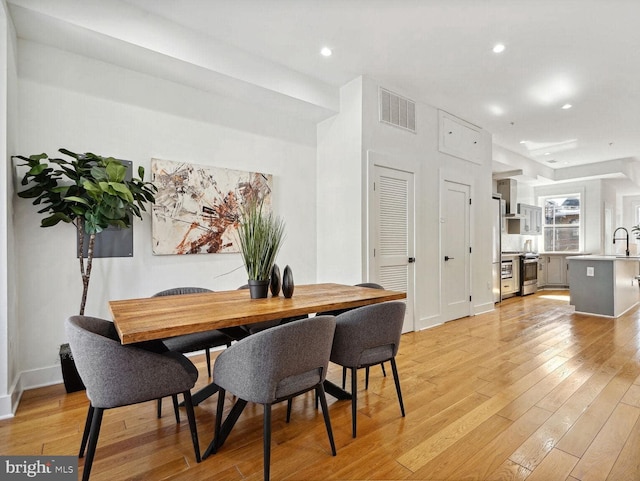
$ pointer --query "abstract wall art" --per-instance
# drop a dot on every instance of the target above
(197, 207)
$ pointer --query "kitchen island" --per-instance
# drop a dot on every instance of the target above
(604, 285)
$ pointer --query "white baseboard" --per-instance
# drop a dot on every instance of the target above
(427, 322)
(9, 403)
(35, 378)
(6, 407)
(482, 308)
(44, 376)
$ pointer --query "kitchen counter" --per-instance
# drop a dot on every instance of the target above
(607, 258)
(565, 253)
(512, 255)
(604, 285)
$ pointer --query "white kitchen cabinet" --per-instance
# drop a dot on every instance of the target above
(542, 272)
(528, 222)
(536, 220)
(508, 287)
(556, 267)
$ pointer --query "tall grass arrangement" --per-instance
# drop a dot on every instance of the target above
(261, 235)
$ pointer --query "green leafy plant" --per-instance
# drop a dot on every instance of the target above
(261, 235)
(89, 191)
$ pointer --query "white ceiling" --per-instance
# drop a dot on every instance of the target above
(439, 52)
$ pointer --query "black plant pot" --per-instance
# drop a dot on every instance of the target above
(258, 289)
(72, 381)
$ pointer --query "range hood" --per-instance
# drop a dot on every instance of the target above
(509, 190)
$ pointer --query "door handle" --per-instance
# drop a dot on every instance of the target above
(412, 260)
(447, 258)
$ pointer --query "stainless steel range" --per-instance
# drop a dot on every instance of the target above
(528, 273)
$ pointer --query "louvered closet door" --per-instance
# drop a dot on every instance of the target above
(393, 234)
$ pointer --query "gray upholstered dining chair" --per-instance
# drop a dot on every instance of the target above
(370, 285)
(367, 336)
(199, 341)
(271, 366)
(116, 375)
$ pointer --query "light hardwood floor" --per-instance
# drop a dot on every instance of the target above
(530, 391)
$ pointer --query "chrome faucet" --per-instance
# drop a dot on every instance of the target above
(623, 238)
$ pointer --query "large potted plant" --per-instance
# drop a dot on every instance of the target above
(260, 235)
(89, 191)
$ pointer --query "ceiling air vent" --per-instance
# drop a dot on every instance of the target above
(398, 111)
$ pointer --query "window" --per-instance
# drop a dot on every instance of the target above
(562, 223)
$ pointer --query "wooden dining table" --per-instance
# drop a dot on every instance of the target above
(156, 318)
(152, 318)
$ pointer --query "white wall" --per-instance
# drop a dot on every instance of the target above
(343, 143)
(4, 197)
(86, 105)
(339, 177)
(432, 166)
(9, 388)
(630, 204)
(610, 201)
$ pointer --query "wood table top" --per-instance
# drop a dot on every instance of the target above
(150, 318)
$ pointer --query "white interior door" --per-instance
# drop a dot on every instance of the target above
(391, 221)
(455, 246)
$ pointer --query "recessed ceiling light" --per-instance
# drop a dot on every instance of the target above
(498, 48)
(567, 106)
(496, 110)
(326, 52)
(524, 141)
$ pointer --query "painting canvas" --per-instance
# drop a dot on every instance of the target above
(197, 207)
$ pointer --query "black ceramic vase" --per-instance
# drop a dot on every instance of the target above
(287, 282)
(275, 280)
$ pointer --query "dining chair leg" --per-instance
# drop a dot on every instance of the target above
(289, 402)
(396, 379)
(267, 440)
(207, 354)
(85, 434)
(325, 413)
(93, 442)
(354, 399)
(176, 407)
(344, 377)
(366, 381)
(188, 404)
